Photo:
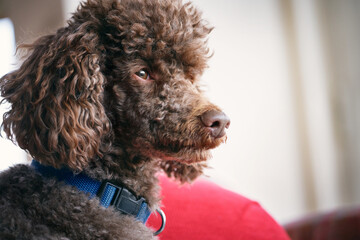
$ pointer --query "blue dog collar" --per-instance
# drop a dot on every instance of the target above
(108, 193)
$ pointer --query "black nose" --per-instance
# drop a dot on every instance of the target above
(217, 121)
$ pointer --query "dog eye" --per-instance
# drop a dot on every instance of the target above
(143, 74)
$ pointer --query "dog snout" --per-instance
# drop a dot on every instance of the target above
(216, 121)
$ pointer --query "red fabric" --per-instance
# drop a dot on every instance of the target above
(204, 210)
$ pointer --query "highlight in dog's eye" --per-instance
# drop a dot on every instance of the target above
(143, 74)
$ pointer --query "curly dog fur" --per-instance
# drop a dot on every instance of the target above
(114, 94)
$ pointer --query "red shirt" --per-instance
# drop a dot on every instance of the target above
(206, 211)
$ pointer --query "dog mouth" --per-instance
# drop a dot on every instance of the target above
(185, 156)
(189, 152)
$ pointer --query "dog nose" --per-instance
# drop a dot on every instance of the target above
(217, 121)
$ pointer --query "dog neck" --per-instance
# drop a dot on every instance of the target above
(141, 177)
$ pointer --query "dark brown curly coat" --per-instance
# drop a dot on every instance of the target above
(114, 94)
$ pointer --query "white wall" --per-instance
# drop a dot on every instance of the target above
(315, 88)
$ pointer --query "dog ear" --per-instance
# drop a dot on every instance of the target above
(56, 110)
(183, 172)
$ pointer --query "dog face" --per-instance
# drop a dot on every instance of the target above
(122, 73)
(161, 53)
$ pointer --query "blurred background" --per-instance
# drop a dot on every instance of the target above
(285, 71)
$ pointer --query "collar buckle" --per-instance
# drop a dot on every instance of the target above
(122, 199)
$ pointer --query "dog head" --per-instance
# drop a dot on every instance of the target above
(121, 74)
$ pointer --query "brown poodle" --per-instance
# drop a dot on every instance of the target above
(112, 98)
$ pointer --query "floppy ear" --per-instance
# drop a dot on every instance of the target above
(181, 171)
(56, 110)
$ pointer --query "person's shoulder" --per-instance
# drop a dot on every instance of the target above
(204, 210)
